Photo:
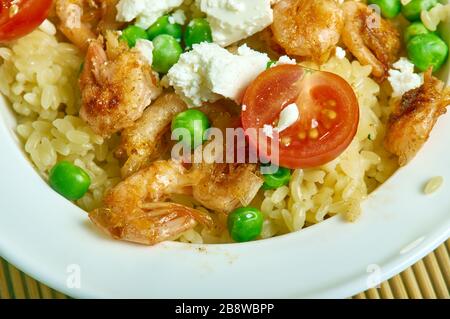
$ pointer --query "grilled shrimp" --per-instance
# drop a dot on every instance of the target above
(225, 187)
(370, 38)
(139, 141)
(116, 86)
(415, 115)
(135, 210)
(308, 28)
(82, 20)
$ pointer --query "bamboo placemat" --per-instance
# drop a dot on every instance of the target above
(429, 278)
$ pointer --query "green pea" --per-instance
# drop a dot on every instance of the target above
(132, 33)
(163, 26)
(196, 123)
(166, 52)
(412, 10)
(427, 50)
(389, 8)
(245, 224)
(69, 180)
(197, 31)
(280, 178)
(414, 29)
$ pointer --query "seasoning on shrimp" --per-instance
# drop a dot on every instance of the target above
(370, 38)
(414, 117)
(308, 28)
(116, 86)
(140, 141)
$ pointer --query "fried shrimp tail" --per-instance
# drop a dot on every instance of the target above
(370, 38)
(117, 84)
(414, 117)
(135, 210)
(308, 28)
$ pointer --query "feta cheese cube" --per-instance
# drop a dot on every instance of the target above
(402, 78)
(210, 72)
(178, 17)
(146, 12)
(340, 53)
(234, 20)
(145, 48)
(285, 60)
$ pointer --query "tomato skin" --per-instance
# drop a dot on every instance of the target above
(277, 87)
(30, 15)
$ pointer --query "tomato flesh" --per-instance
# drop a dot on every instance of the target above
(328, 121)
(20, 17)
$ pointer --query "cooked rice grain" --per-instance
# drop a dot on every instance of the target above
(39, 76)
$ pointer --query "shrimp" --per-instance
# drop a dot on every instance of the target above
(135, 210)
(116, 86)
(140, 141)
(308, 28)
(370, 38)
(81, 21)
(225, 187)
(415, 115)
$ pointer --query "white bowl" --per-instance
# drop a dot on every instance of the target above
(53, 241)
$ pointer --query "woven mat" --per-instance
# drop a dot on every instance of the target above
(429, 278)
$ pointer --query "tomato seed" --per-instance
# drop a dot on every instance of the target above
(314, 133)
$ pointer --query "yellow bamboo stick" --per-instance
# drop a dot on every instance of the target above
(386, 291)
(443, 260)
(426, 287)
(411, 284)
(360, 296)
(32, 288)
(4, 290)
(373, 294)
(398, 287)
(437, 277)
(59, 295)
(17, 283)
(46, 293)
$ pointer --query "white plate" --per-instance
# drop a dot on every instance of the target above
(53, 241)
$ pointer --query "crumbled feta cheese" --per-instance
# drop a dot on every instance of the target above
(288, 116)
(234, 20)
(146, 12)
(340, 53)
(145, 48)
(285, 60)
(402, 78)
(178, 17)
(209, 71)
(268, 130)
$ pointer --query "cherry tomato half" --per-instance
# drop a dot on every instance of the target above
(328, 120)
(20, 17)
